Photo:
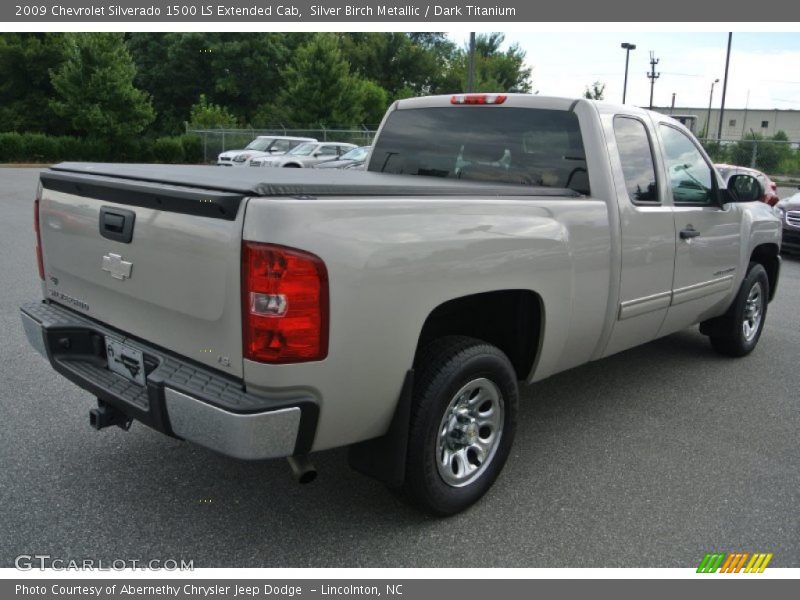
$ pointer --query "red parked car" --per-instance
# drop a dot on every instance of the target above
(770, 187)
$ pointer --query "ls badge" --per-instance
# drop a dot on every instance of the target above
(118, 268)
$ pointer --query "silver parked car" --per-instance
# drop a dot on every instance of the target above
(355, 159)
(263, 145)
(305, 155)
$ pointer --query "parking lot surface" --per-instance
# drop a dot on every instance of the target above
(649, 458)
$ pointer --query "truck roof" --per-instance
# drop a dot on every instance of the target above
(516, 100)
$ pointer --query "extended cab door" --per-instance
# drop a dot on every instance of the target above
(647, 231)
(708, 235)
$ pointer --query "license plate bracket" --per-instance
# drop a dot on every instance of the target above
(125, 360)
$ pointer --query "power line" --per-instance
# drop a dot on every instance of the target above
(682, 74)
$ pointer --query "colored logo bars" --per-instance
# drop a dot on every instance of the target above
(734, 562)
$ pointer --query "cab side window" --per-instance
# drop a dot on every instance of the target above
(636, 156)
(690, 176)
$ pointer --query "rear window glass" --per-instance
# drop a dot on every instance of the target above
(636, 157)
(524, 146)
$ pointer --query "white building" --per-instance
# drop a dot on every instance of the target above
(738, 122)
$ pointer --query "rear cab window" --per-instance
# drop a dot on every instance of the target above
(522, 146)
(636, 156)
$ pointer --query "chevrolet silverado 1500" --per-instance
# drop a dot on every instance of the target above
(493, 239)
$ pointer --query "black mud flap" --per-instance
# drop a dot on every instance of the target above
(384, 458)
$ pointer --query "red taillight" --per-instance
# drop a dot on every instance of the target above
(37, 229)
(478, 99)
(284, 304)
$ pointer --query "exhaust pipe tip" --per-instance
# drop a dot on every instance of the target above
(302, 469)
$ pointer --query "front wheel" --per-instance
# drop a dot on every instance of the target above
(738, 332)
(462, 423)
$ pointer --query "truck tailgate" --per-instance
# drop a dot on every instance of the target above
(157, 262)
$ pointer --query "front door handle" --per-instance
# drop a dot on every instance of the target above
(688, 233)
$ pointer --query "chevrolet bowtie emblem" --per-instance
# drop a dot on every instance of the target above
(119, 269)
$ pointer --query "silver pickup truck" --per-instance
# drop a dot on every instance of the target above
(493, 239)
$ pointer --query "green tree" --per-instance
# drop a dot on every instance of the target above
(94, 88)
(248, 68)
(237, 70)
(319, 89)
(496, 70)
(174, 68)
(403, 64)
(768, 154)
(373, 100)
(26, 60)
(595, 91)
(207, 115)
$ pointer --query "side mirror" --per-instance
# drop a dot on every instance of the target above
(744, 188)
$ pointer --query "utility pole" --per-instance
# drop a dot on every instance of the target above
(652, 76)
(746, 106)
(724, 87)
(471, 65)
(672, 106)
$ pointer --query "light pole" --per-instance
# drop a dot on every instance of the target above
(708, 117)
(627, 47)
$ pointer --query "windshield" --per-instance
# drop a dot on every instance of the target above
(259, 144)
(356, 154)
(524, 146)
(303, 149)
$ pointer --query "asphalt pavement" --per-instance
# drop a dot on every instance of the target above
(650, 458)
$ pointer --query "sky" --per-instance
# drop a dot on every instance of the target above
(765, 66)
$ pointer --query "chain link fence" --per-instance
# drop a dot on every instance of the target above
(216, 141)
(780, 159)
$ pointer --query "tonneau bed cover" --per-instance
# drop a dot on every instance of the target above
(290, 182)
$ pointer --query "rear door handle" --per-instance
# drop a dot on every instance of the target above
(689, 232)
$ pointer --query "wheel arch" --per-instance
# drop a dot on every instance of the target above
(768, 256)
(511, 319)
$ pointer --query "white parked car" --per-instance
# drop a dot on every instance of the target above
(305, 155)
(263, 145)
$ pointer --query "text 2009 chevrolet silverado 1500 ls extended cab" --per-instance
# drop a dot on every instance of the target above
(493, 239)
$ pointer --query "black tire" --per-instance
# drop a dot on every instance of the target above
(728, 333)
(446, 367)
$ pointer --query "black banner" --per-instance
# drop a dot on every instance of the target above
(322, 11)
(732, 588)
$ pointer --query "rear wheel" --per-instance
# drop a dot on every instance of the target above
(462, 423)
(738, 332)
